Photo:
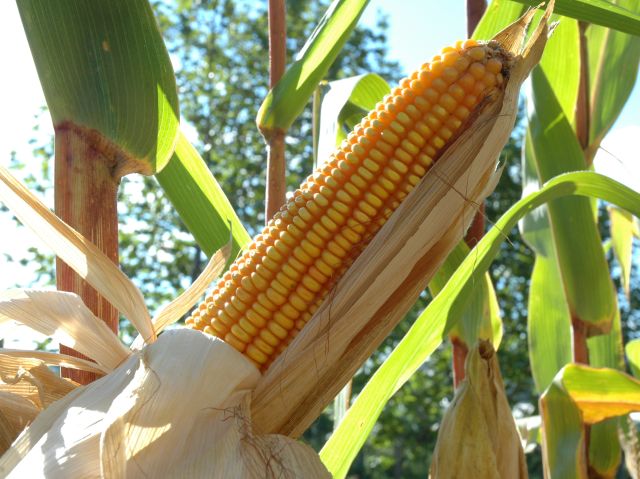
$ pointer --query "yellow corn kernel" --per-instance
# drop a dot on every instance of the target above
(275, 287)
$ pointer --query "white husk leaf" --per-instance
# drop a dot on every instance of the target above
(27, 386)
(57, 359)
(33, 380)
(177, 408)
(386, 279)
(65, 318)
(79, 253)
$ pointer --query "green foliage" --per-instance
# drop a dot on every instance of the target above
(196, 194)
(286, 100)
(219, 50)
(438, 317)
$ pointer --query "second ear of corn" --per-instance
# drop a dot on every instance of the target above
(274, 288)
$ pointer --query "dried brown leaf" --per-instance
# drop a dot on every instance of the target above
(78, 252)
(64, 317)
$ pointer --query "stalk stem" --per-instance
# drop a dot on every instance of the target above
(583, 111)
(580, 351)
(460, 351)
(581, 356)
(275, 194)
(475, 10)
(85, 197)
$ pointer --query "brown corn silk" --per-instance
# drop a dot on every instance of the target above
(276, 286)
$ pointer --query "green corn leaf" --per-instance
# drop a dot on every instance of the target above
(583, 267)
(562, 69)
(200, 201)
(534, 227)
(604, 445)
(600, 12)
(498, 15)
(289, 96)
(561, 64)
(564, 435)
(549, 320)
(621, 227)
(581, 395)
(605, 350)
(440, 315)
(613, 67)
(549, 323)
(481, 317)
(103, 66)
(344, 105)
(632, 351)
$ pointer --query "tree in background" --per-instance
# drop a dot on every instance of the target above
(220, 55)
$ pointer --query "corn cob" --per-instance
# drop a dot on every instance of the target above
(274, 288)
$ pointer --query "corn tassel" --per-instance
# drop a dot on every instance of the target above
(274, 288)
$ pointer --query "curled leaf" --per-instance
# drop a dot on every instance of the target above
(64, 317)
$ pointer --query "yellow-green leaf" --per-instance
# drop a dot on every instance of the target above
(581, 395)
(621, 228)
(103, 66)
(632, 351)
(289, 96)
(200, 201)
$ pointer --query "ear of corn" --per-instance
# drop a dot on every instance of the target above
(274, 288)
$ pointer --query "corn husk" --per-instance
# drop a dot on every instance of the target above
(478, 436)
(187, 404)
(177, 408)
(387, 278)
(145, 417)
(27, 386)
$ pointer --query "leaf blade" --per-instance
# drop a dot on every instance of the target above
(427, 332)
(195, 193)
(286, 100)
(596, 11)
(104, 67)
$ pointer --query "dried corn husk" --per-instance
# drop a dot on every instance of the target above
(145, 417)
(478, 436)
(387, 278)
(162, 413)
(27, 386)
